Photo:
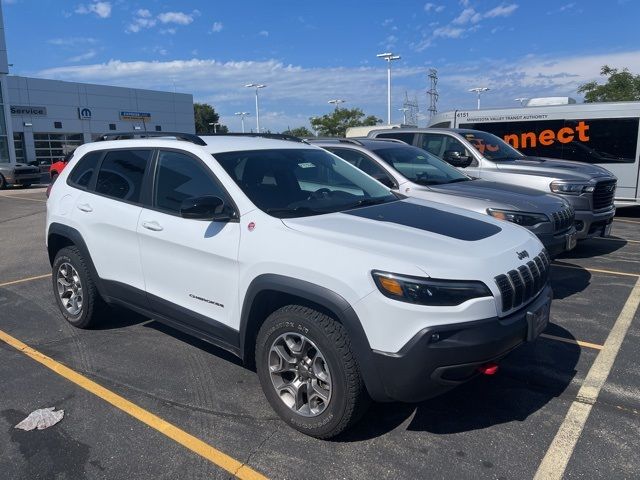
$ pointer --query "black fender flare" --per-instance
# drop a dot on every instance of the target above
(328, 299)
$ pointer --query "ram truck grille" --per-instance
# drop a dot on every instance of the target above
(604, 194)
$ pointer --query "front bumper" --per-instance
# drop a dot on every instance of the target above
(557, 244)
(442, 357)
(591, 224)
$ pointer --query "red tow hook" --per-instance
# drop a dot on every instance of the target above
(490, 368)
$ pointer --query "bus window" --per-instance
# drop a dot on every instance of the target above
(608, 140)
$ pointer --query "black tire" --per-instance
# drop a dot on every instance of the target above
(3, 182)
(93, 308)
(26, 185)
(348, 399)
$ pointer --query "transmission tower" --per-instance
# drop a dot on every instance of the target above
(433, 92)
(410, 107)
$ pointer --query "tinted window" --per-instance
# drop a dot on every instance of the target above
(441, 125)
(179, 177)
(419, 166)
(83, 171)
(301, 182)
(611, 140)
(363, 162)
(437, 144)
(404, 136)
(121, 174)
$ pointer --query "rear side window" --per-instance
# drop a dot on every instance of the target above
(83, 171)
(403, 136)
(179, 177)
(121, 174)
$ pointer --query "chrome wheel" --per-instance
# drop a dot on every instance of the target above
(69, 289)
(300, 374)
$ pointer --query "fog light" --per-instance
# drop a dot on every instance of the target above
(579, 225)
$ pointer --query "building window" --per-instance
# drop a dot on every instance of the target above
(158, 128)
(57, 124)
(112, 126)
(51, 147)
(18, 143)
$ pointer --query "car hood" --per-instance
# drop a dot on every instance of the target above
(500, 195)
(442, 241)
(551, 167)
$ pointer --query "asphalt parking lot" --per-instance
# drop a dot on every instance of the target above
(142, 400)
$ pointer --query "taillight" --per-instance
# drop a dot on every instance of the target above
(488, 368)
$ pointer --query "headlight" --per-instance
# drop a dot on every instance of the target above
(571, 188)
(521, 218)
(428, 291)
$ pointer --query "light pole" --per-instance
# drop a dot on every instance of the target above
(257, 86)
(213, 124)
(336, 102)
(389, 57)
(521, 100)
(242, 115)
(479, 91)
(404, 111)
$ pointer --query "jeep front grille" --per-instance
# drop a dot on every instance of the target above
(518, 287)
(563, 220)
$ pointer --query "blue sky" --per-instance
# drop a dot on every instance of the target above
(310, 52)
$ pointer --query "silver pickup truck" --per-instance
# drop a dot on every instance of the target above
(588, 188)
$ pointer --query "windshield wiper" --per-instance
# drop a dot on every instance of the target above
(498, 159)
(293, 212)
(366, 202)
(456, 180)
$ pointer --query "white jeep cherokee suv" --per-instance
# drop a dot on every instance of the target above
(335, 288)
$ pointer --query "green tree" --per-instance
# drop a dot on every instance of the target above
(336, 123)
(204, 114)
(620, 86)
(299, 132)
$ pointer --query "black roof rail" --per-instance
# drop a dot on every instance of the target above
(187, 137)
(353, 140)
(274, 136)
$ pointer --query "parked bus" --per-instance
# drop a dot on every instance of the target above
(605, 134)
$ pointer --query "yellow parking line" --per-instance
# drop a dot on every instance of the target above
(572, 341)
(555, 461)
(625, 221)
(222, 460)
(596, 270)
(22, 280)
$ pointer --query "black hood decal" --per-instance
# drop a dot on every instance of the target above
(429, 219)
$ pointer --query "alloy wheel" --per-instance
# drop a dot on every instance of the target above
(69, 289)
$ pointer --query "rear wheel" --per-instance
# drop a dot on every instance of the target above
(26, 185)
(308, 371)
(74, 289)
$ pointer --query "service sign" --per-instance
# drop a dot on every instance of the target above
(135, 115)
(28, 110)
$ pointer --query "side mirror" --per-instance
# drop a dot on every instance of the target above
(385, 180)
(457, 159)
(207, 207)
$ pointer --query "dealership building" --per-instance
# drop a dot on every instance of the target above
(46, 119)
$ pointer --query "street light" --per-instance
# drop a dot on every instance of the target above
(404, 111)
(521, 100)
(479, 91)
(388, 57)
(213, 124)
(257, 86)
(242, 115)
(336, 102)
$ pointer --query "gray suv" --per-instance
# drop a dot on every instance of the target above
(18, 174)
(588, 188)
(413, 172)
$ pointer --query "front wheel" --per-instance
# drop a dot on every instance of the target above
(308, 371)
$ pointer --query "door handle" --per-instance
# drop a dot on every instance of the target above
(85, 207)
(153, 226)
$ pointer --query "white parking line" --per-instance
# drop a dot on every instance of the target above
(559, 453)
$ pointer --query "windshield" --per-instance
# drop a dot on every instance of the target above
(492, 147)
(301, 182)
(419, 166)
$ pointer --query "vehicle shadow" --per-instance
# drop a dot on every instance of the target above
(119, 317)
(528, 379)
(568, 279)
(594, 247)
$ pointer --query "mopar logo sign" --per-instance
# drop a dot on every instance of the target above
(84, 113)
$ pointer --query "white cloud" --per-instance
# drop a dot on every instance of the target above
(179, 18)
(263, 33)
(501, 11)
(83, 56)
(71, 41)
(143, 13)
(448, 32)
(429, 7)
(217, 27)
(468, 15)
(101, 9)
